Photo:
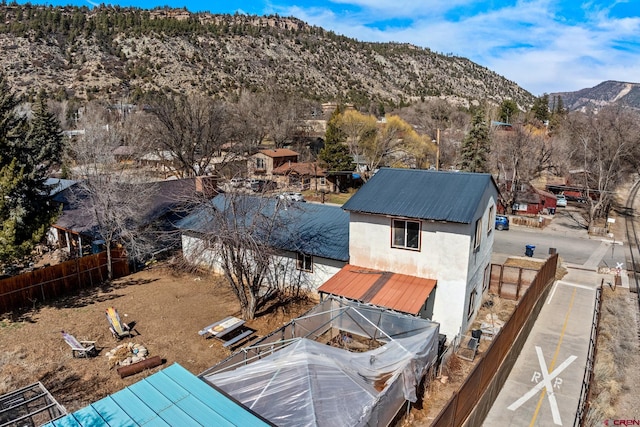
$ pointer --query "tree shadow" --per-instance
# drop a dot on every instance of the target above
(280, 304)
(573, 220)
(106, 291)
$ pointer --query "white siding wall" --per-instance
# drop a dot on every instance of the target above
(284, 264)
(479, 260)
(446, 255)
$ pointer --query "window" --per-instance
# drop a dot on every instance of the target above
(260, 163)
(323, 180)
(478, 237)
(305, 262)
(492, 220)
(487, 278)
(406, 234)
(472, 304)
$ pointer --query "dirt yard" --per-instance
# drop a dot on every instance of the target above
(168, 309)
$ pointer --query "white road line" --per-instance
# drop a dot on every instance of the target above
(545, 383)
(555, 286)
(561, 282)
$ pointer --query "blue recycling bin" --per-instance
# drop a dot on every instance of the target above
(528, 250)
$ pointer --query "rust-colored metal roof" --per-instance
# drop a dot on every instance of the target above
(398, 292)
(279, 152)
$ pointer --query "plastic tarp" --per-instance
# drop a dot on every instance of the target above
(307, 383)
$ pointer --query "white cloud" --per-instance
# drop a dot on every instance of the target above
(530, 42)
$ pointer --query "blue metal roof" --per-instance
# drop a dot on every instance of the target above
(311, 228)
(171, 397)
(422, 194)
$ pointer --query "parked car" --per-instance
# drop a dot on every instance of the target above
(250, 183)
(261, 185)
(236, 182)
(296, 197)
(561, 201)
(502, 222)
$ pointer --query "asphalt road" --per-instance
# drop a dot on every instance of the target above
(569, 239)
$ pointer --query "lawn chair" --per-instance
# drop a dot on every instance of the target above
(118, 329)
(80, 348)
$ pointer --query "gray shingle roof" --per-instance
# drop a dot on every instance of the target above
(422, 194)
(310, 228)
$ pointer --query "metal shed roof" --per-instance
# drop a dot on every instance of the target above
(310, 228)
(398, 292)
(171, 397)
(422, 194)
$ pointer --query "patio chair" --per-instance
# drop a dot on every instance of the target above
(118, 328)
(80, 348)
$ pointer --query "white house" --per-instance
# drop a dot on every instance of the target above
(312, 240)
(420, 242)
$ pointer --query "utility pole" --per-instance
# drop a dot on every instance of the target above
(438, 149)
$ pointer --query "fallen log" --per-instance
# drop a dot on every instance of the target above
(134, 368)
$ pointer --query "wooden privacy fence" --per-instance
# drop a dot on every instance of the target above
(52, 282)
(471, 403)
(510, 282)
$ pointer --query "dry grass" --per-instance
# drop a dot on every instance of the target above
(616, 349)
(454, 372)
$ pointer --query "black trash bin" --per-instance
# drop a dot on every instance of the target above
(528, 250)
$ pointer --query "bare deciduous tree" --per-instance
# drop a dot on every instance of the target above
(600, 145)
(191, 130)
(249, 240)
(519, 155)
(109, 192)
(357, 128)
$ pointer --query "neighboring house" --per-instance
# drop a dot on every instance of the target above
(78, 231)
(262, 164)
(163, 161)
(530, 200)
(420, 242)
(312, 240)
(301, 176)
(124, 153)
(360, 163)
(58, 185)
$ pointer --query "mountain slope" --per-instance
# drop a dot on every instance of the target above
(606, 93)
(112, 52)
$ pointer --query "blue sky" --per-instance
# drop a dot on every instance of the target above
(542, 45)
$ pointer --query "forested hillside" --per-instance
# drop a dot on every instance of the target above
(115, 53)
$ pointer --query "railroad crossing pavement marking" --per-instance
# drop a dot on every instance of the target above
(545, 383)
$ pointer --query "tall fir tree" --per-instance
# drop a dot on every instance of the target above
(28, 149)
(476, 145)
(335, 154)
(540, 108)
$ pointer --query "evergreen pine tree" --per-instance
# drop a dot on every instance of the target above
(335, 154)
(540, 108)
(508, 109)
(475, 146)
(27, 150)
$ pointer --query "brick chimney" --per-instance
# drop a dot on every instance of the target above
(207, 186)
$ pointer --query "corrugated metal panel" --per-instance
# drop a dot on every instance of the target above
(422, 194)
(310, 228)
(171, 397)
(399, 292)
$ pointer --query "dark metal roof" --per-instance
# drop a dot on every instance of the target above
(309, 228)
(422, 194)
(164, 198)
